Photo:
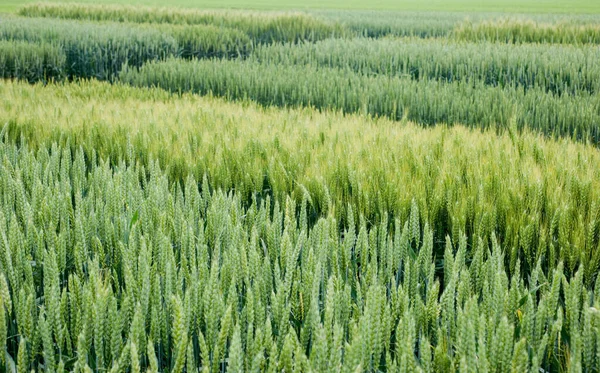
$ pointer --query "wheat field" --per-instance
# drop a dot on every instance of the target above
(299, 190)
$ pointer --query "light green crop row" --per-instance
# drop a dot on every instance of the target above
(528, 31)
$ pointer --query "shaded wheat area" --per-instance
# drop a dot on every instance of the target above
(92, 50)
(38, 48)
(136, 269)
(31, 62)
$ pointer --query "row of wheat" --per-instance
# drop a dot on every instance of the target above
(560, 69)
(262, 27)
(94, 50)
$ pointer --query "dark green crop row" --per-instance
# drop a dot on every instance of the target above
(31, 62)
(206, 41)
(93, 50)
(554, 68)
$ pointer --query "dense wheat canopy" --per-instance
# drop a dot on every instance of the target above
(213, 260)
(559, 69)
(31, 62)
(92, 50)
(211, 190)
(141, 273)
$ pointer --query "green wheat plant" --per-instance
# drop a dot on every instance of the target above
(92, 50)
(135, 272)
(560, 69)
(314, 191)
(31, 62)
(528, 31)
